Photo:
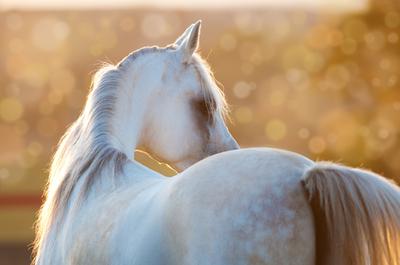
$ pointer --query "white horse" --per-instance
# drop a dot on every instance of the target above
(248, 206)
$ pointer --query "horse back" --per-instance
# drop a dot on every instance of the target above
(241, 207)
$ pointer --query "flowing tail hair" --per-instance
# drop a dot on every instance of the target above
(356, 216)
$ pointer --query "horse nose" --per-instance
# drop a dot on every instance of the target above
(231, 145)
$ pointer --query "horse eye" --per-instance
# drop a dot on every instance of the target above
(203, 109)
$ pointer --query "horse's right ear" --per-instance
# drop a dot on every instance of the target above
(190, 41)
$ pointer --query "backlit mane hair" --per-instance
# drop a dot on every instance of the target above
(213, 95)
(86, 149)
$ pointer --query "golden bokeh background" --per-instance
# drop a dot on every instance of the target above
(324, 84)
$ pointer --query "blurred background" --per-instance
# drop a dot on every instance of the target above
(318, 77)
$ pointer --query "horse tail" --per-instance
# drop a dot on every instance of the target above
(356, 215)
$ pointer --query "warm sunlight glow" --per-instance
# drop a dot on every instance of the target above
(317, 77)
(330, 5)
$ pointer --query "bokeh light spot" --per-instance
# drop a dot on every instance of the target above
(12, 148)
(243, 89)
(375, 40)
(127, 24)
(228, 42)
(393, 37)
(303, 133)
(275, 130)
(244, 115)
(35, 148)
(15, 45)
(392, 19)
(49, 33)
(14, 22)
(337, 76)
(355, 29)
(349, 46)
(21, 127)
(4, 174)
(317, 145)
(155, 26)
(277, 97)
(11, 109)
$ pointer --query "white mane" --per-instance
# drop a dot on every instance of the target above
(214, 96)
(86, 149)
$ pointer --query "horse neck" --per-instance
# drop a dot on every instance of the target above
(103, 139)
(127, 119)
(133, 103)
(99, 145)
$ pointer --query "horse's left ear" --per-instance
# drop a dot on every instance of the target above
(182, 37)
(189, 44)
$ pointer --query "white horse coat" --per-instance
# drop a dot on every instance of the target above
(205, 215)
(248, 206)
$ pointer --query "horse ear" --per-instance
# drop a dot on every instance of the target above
(182, 37)
(190, 42)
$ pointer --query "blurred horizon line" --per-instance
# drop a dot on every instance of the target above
(326, 6)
